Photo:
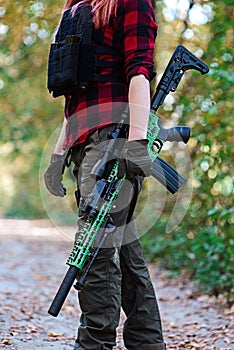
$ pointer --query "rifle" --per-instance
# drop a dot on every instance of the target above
(98, 205)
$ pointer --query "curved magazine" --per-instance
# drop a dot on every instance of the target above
(166, 175)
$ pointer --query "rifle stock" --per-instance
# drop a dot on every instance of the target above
(181, 61)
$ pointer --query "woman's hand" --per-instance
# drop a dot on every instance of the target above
(54, 174)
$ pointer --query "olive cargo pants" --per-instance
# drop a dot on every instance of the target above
(119, 276)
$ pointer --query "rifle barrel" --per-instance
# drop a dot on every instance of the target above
(63, 291)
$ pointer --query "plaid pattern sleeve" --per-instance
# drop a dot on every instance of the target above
(138, 37)
(133, 32)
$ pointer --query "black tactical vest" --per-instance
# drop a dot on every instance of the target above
(73, 60)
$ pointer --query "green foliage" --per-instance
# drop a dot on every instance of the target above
(203, 242)
(27, 115)
(205, 252)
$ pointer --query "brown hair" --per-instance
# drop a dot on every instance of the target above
(101, 9)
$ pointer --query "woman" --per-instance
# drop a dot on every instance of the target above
(119, 276)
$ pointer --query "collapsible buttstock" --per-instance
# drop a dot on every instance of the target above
(181, 61)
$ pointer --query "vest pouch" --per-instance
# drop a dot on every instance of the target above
(63, 65)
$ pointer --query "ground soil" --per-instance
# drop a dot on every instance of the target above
(32, 264)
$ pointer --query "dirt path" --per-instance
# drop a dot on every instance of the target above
(32, 264)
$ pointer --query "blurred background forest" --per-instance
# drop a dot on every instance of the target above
(203, 241)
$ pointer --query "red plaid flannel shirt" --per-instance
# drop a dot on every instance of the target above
(133, 32)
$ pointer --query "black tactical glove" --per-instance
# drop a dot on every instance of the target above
(138, 161)
(54, 174)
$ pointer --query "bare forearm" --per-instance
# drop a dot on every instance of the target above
(139, 102)
(59, 148)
